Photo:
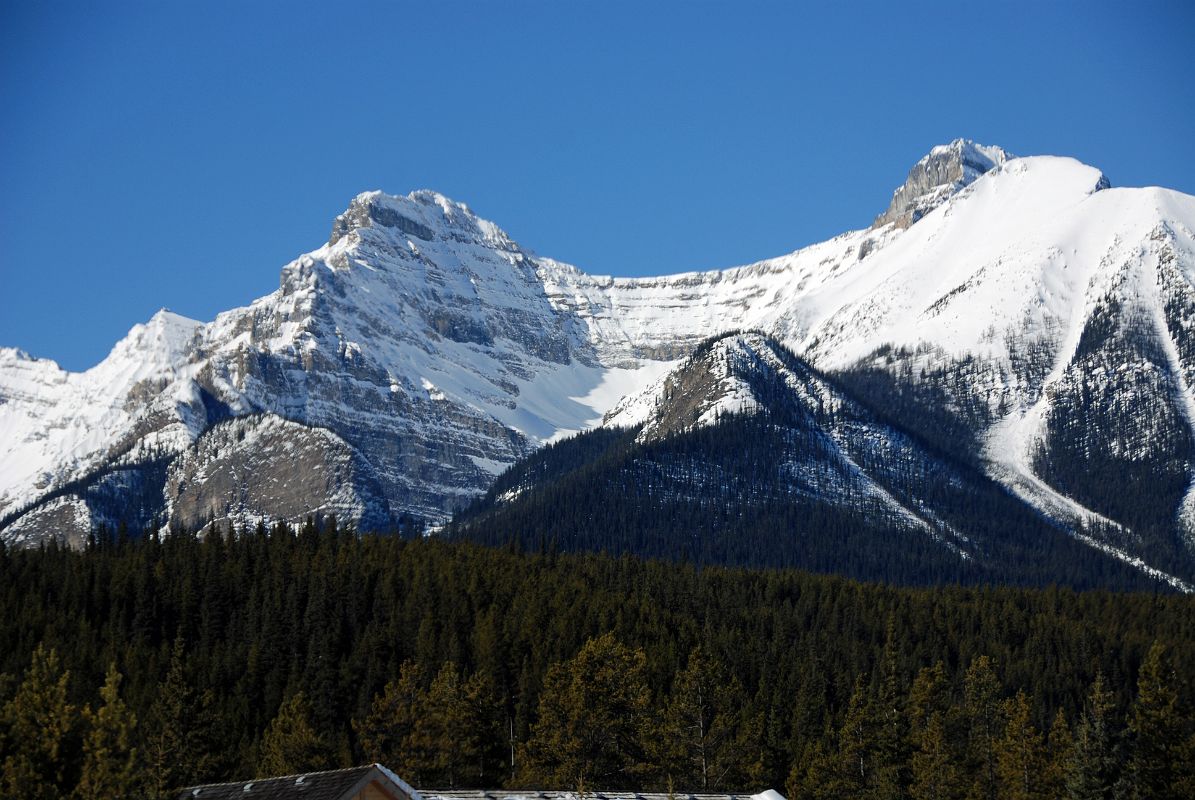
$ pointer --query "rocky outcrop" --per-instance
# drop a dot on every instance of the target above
(938, 176)
(263, 467)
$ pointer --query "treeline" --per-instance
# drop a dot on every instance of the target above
(144, 665)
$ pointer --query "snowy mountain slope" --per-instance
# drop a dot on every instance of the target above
(752, 374)
(746, 454)
(1040, 301)
(420, 335)
(936, 178)
(1015, 306)
(55, 425)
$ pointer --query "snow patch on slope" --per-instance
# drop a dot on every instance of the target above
(56, 424)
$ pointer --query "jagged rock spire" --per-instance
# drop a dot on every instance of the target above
(941, 173)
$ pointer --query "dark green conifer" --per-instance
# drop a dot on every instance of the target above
(1020, 758)
(984, 719)
(290, 744)
(1155, 733)
(110, 761)
(40, 728)
(1093, 769)
(1060, 747)
(699, 743)
(180, 739)
(592, 721)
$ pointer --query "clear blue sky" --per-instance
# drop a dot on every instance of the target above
(178, 154)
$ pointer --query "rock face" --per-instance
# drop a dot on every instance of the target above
(263, 467)
(936, 178)
(66, 517)
(1015, 309)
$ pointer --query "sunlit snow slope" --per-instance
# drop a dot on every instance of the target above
(1039, 318)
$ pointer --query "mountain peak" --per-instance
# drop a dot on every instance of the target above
(737, 372)
(941, 173)
(981, 156)
(423, 214)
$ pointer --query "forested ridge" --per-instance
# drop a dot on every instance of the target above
(144, 664)
(860, 473)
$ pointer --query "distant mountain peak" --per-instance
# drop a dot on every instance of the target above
(423, 214)
(942, 172)
(1029, 328)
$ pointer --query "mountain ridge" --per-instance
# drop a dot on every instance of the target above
(440, 350)
(768, 462)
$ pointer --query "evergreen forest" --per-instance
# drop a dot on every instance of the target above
(141, 665)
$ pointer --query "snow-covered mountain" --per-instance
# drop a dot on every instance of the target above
(1020, 308)
(746, 454)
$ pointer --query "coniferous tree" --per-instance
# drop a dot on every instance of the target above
(982, 710)
(700, 738)
(482, 738)
(1060, 748)
(814, 777)
(110, 761)
(854, 773)
(934, 772)
(892, 731)
(179, 742)
(1019, 754)
(592, 721)
(928, 695)
(388, 732)
(290, 744)
(445, 729)
(1092, 774)
(934, 767)
(1155, 734)
(40, 725)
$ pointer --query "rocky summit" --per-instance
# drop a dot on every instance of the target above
(1016, 311)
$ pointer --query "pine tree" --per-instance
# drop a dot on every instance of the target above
(386, 733)
(444, 728)
(289, 744)
(1155, 733)
(933, 766)
(592, 719)
(982, 710)
(1060, 747)
(482, 736)
(180, 739)
(700, 746)
(1019, 753)
(110, 763)
(40, 724)
(811, 777)
(928, 696)
(854, 774)
(892, 725)
(1092, 774)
